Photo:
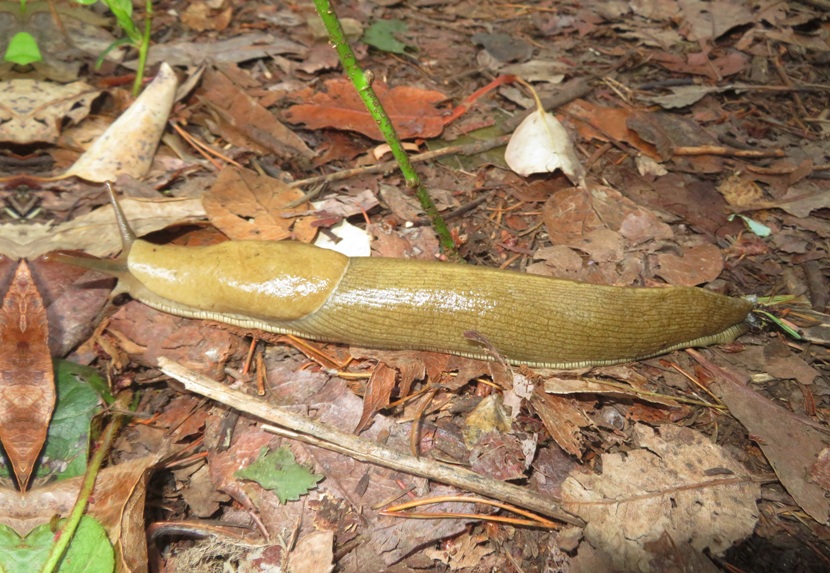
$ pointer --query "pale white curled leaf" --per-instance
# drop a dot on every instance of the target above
(542, 145)
(354, 241)
(129, 143)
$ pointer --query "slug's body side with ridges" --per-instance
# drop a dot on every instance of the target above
(293, 288)
(299, 289)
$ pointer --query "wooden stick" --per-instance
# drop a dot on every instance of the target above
(325, 436)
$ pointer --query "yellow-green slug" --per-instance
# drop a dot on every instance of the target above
(295, 288)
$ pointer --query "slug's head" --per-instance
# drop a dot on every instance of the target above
(265, 281)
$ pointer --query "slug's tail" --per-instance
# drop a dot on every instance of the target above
(115, 267)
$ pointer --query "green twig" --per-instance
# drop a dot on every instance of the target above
(64, 536)
(363, 84)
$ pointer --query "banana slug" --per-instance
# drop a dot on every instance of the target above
(294, 288)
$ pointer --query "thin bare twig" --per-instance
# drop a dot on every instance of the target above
(304, 429)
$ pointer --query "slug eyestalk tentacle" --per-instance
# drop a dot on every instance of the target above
(118, 266)
(127, 234)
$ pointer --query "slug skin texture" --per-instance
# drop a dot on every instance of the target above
(294, 288)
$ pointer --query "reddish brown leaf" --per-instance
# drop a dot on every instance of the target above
(378, 394)
(27, 385)
(411, 110)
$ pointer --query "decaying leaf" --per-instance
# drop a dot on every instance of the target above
(542, 145)
(129, 144)
(244, 122)
(33, 111)
(698, 265)
(789, 442)
(678, 486)
(378, 394)
(27, 384)
(247, 206)
(488, 416)
(95, 233)
(412, 110)
(563, 420)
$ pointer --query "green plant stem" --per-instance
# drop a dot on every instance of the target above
(64, 536)
(363, 84)
(144, 48)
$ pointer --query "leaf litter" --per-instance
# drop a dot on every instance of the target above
(653, 210)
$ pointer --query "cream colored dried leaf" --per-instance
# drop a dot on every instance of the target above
(678, 486)
(129, 144)
(542, 145)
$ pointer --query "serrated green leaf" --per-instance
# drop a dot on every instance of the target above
(89, 551)
(279, 472)
(381, 35)
(22, 50)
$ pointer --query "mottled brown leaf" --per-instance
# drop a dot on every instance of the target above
(27, 384)
(247, 206)
(246, 123)
(562, 419)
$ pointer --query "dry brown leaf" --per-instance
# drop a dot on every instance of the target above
(145, 334)
(698, 265)
(378, 394)
(247, 206)
(412, 110)
(33, 111)
(27, 383)
(565, 386)
(488, 416)
(572, 215)
(790, 443)
(117, 502)
(563, 420)
(314, 553)
(200, 17)
(607, 124)
(664, 488)
(246, 123)
(706, 21)
(462, 552)
(96, 233)
(502, 456)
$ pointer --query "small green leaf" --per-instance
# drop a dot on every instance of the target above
(279, 472)
(123, 12)
(381, 35)
(759, 229)
(89, 552)
(23, 50)
(67, 442)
